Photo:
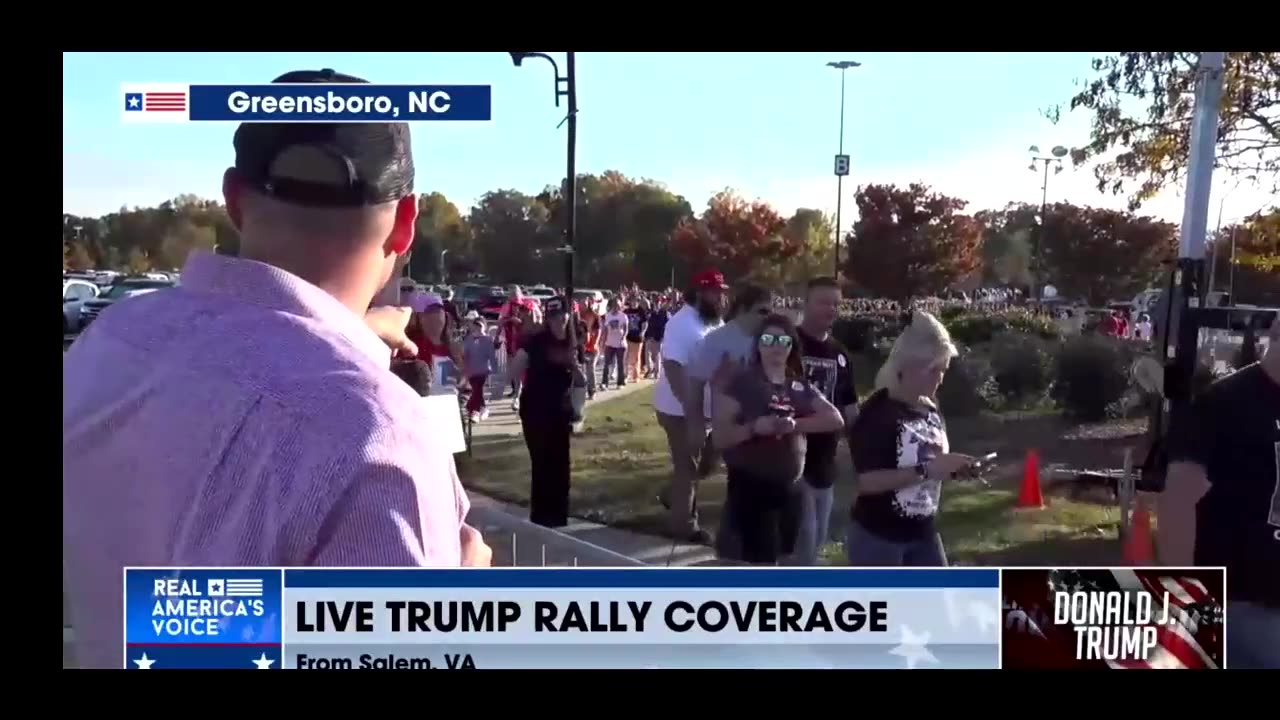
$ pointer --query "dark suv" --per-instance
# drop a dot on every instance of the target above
(118, 290)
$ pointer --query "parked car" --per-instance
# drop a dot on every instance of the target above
(119, 290)
(75, 292)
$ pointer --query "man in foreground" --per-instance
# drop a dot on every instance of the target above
(1221, 502)
(249, 417)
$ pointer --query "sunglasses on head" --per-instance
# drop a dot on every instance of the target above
(771, 340)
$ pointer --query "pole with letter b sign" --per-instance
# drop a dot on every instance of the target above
(842, 165)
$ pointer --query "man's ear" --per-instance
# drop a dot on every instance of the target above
(404, 230)
(232, 193)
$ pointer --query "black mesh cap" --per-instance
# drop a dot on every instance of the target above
(326, 164)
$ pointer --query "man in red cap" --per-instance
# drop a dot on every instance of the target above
(703, 312)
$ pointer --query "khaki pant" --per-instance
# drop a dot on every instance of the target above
(689, 465)
(653, 353)
(633, 361)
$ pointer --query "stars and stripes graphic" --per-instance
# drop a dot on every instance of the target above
(1196, 616)
(155, 102)
(1192, 639)
(244, 587)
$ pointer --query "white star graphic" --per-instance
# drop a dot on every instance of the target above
(263, 663)
(912, 648)
(133, 101)
(144, 662)
(951, 601)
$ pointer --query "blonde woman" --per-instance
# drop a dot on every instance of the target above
(901, 454)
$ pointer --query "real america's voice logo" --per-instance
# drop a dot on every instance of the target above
(190, 607)
(309, 102)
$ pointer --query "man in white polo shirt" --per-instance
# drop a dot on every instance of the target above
(702, 313)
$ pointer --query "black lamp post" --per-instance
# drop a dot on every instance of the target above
(566, 87)
(842, 160)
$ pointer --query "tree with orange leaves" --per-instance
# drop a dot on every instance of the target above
(910, 241)
(738, 237)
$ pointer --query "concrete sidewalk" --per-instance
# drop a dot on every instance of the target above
(648, 549)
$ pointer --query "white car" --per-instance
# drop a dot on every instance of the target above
(74, 294)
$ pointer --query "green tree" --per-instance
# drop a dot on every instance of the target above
(1142, 104)
(1102, 254)
(440, 228)
(813, 232)
(77, 258)
(1007, 242)
(181, 239)
(508, 235)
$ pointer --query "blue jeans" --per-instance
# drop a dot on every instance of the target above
(1253, 636)
(866, 549)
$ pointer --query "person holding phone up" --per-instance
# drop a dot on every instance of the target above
(762, 412)
(901, 454)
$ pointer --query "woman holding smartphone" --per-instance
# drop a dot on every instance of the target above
(761, 414)
(902, 455)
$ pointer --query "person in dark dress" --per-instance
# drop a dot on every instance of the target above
(547, 358)
(761, 415)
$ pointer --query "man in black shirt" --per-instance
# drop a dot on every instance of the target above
(1221, 503)
(827, 366)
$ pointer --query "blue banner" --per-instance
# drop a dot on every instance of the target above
(339, 103)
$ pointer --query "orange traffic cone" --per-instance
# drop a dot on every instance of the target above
(1138, 548)
(1029, 496)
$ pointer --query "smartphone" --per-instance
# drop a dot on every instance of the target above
(984, 461)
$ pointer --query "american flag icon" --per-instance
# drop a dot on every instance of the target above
(247, 587)
(155, 103)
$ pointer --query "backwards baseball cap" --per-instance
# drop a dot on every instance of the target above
(326, 164)
(710, 279)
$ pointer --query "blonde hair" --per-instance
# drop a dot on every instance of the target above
(924, 340)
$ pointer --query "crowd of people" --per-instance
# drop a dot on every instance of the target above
(254, 416)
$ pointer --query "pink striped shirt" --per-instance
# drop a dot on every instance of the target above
(244, 418)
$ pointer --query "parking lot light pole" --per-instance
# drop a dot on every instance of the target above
(1054, 160)
(566, 87)
(842, 160)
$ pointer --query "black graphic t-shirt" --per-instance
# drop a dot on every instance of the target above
(827, 368)
(1233, 431)
(637, 320)
(891, 434)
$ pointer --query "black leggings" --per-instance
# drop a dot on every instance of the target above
(548, 441)
(764, 515)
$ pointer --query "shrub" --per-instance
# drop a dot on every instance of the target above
(1022, 366)
(975, 328)
(967, 387)
(1092, 375)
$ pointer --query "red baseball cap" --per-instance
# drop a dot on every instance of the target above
(710, 280)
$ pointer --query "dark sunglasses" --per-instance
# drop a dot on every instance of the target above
(769, 340)
(763, 311)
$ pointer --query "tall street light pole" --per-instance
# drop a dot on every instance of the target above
(566, 87)
(1054, 159)
(842, 160)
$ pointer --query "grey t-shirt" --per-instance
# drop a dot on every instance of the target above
(727, 339)
(779, 459)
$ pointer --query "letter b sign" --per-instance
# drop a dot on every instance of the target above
(842, 165)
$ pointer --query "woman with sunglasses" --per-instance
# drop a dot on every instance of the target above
(761, 414)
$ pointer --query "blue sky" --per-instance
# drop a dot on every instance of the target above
(765, 124)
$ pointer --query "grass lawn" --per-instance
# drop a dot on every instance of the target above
(620, 462)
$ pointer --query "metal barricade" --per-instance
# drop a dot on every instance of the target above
(516, 542)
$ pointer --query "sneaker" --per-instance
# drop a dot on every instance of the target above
(484, 414)
(475, 416)
(591, 396)
(515, 405)
(577, 427)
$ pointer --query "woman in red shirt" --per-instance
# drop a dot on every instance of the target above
(431, 330)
